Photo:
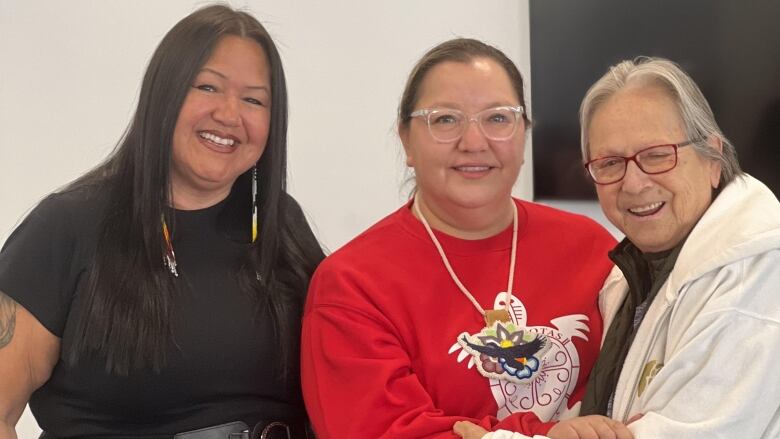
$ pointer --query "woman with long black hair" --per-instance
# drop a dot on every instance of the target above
(160, 293)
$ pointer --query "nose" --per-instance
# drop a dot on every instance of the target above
(473, 139)
(635, 180)
(228, 112)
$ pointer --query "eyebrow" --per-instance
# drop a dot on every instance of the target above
(452, 105)
(223, 76)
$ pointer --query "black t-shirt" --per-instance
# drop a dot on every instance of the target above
(220, 365)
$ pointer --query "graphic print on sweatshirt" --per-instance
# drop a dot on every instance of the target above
(530, 368)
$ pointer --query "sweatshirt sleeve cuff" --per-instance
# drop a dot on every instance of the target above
(506, 434)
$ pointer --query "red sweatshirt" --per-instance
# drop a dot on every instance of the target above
(380, 353)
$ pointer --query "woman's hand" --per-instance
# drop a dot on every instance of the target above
(468, 430)
(589, 427)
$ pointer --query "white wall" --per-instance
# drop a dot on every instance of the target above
(70, 74)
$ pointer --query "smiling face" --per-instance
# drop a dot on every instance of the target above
(223, 123)
(655, 212)
(473, 173)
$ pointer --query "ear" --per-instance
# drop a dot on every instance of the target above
(715, 143)
(403, 134)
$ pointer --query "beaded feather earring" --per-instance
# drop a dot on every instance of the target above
(254, 203)
(169, 259)
(254, 213)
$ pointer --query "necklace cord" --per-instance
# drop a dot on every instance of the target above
(447, 265)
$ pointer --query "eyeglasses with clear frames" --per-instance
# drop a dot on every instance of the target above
(448, 125)
(651, 160)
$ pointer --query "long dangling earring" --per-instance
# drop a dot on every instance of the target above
(254, 203)
(254, 213)
(169, 259)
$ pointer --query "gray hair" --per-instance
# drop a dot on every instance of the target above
(695, 111)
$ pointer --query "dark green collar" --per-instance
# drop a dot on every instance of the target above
(644, 272)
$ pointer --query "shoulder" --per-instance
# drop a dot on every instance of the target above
(384, 247)
(42, 261)
(382, 240)
(293, 214)
(554, 225)
(77, 201)
(66, 211)
(299, 227)
(292, 207)
(68, 219)
(543, 216)
(747, 285)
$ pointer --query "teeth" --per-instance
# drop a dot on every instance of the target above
(216, 139)
(473, 168)
(647, 208)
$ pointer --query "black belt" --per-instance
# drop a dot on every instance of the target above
(239, 430)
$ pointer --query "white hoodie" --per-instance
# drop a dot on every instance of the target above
(705, 362)
(708, 349)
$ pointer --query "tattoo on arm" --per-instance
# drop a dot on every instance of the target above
(7, 319)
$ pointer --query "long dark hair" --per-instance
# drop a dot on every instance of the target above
(130, 294)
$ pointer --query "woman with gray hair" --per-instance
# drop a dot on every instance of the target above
(696, 325)
(698, 262)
